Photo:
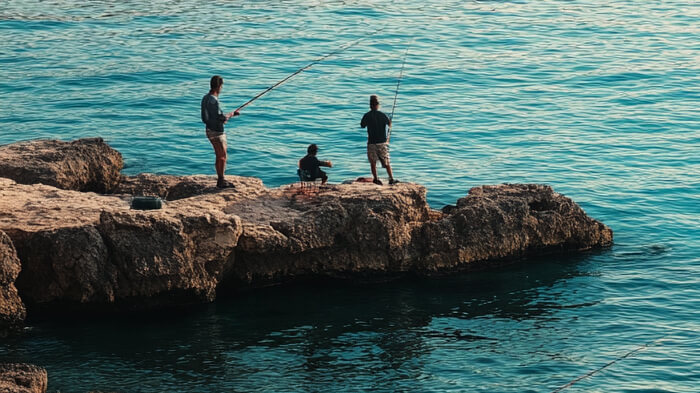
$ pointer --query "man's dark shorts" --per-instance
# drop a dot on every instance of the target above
(310, 175)
(318, 174)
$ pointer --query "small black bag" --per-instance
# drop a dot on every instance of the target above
(146, 203)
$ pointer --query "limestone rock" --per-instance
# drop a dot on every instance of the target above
(363, 230)
(171, 187)
(12, 311)
(89, 249)
(84, 248)
(508, 221)
(349, 230)
(180, 255)
(22, 378)
(83, 165)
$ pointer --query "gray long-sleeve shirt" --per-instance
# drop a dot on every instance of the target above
(212, 115)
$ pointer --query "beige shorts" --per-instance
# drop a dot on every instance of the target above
(378, 151)
(216, 137)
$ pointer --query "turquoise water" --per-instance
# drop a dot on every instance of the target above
(599, 99)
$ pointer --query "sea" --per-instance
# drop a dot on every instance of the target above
(599, 99)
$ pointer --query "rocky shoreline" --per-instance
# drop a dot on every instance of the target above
(69, 240)
(64, 245)
(22, 378)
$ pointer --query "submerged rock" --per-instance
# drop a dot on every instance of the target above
(22, 378)
(83, 165)
(12, 311)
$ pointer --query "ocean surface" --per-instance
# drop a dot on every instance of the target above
(599, 99)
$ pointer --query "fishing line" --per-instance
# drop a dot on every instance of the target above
(398, 83)
(300, 70)
(591, 373)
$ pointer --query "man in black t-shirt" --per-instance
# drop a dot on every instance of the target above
(377, 124)
(309, 166)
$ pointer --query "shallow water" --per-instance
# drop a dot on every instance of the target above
(599, 100)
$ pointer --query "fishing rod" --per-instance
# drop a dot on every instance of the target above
(398, 82)
(300, 70)
(591, 373)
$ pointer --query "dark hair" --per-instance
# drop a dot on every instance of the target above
(373, 100)
(216, 82)
(313, 149)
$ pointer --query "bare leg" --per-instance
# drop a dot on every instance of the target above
(220, 163)
(373, 166)
(388, 172)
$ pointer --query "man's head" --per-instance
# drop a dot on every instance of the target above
(374, 101)
(312, 149)
(215, 83)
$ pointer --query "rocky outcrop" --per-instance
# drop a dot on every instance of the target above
(172, 188)
(82, 165)
(364, 230)
(508, 221)
(12, 311)
(22, 378)
(86, 249)
(349, 230)
(89, 249)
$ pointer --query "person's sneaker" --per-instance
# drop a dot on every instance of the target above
(393, 181)
(377, 182)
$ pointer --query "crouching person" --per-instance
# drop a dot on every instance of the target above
(309, 166)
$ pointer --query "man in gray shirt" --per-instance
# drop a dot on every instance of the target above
(214, 118)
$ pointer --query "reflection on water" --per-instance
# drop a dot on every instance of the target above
(303, 331)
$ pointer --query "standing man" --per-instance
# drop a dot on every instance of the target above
(214, 118)
(377, 124)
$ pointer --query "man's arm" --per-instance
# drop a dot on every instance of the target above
(363, 122)
(205, 113)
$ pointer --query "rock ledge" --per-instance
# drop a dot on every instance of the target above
(87, 250)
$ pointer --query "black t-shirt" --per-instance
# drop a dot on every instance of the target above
(376, 123)
(309, 163)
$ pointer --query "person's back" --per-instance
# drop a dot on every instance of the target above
(376, 122)
(309, 163)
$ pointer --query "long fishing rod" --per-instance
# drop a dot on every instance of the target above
(591, 373)
(300, 70)
(398, 83)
